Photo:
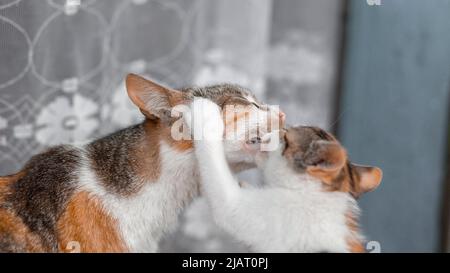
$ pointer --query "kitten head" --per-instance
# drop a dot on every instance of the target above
(317, 153)
(244, 117)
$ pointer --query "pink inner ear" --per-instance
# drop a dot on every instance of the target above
(135, 83)
(152, 98)
(370, 177)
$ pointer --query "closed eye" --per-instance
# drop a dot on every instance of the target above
(237, 101)
(256, 105)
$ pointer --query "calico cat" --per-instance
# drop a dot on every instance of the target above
(308, 201)
(123, 192)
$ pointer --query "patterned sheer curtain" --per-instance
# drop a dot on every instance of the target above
(62, 65)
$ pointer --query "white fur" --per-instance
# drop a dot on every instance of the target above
(291, 214)
(145, 217)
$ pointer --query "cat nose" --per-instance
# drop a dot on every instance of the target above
(282, 116)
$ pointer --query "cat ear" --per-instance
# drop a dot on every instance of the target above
(368, 177)
(324, 159)
(154, 100)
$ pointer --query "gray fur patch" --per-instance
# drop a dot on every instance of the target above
(217, 92)
(8, 245)
(112, 159)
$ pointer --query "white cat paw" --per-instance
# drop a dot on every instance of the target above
(206, 120)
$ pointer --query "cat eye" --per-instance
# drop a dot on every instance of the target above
(239, 100)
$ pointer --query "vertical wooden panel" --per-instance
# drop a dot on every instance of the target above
(394, 105)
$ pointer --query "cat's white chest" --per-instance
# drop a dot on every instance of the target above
(145, 217)
(313, 219)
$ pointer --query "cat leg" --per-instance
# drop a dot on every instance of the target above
(241, 212)
(207, 128)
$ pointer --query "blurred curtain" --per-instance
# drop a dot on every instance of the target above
(396, 95)
(62, 64)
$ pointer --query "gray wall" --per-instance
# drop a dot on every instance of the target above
(394, 105)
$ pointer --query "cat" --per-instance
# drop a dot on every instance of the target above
(308, 201)
(123, 192)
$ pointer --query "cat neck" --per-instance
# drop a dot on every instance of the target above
(278, 174)
(337, 207)
(144, 180)
(127, 160)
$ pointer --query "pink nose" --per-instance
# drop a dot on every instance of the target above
(282, 117)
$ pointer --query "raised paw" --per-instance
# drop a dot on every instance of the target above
(206, 120)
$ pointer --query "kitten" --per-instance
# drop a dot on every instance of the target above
(308, 203)
(123, 192)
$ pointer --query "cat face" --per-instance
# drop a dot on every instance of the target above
(244, 117)
(316, 152)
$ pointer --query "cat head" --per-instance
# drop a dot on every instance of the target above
(244, 117)
(317, 153)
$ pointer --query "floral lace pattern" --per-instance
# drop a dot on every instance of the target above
(63, 63)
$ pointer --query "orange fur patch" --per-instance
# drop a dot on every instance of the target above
(12, 230)
(85, 224)
(158, 131)
(182, 145)
(326, 176)
(17, 234)
(7, 180)
(354, 243)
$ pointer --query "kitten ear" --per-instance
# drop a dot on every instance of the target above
(368, 177)
(324, 159)
(154, 100)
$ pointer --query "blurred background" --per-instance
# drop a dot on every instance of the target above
(375, 72)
